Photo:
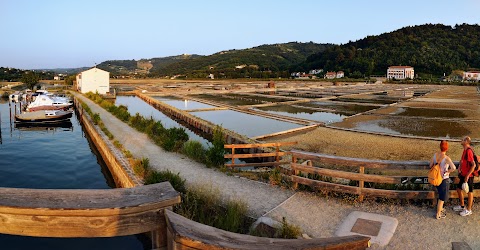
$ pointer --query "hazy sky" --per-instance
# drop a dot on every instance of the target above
(72, 33)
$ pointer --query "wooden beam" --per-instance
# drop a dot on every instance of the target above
(261, 145)
(256, 164)
(346, 175)
(397, 194)
(255, 155)
(186, 234)
(84, 213)
(358, 162)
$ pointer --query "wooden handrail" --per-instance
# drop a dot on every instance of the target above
(260, 145)
(357, 162)
(186, 234)
(347, 175)
(275, 154)
(255, 155)
(84, 212)
(299, 169)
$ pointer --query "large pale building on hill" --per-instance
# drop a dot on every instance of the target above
(400, 72)
(471, 76)
(94, 80)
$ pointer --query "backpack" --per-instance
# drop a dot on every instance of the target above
(476, 160)
(435, 174)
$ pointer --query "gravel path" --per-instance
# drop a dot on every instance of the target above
(259, 197)
(417, 228)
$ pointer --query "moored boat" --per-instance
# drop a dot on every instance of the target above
(45, 102)
(43, 116)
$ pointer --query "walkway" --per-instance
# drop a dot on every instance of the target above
(317, 215)
(260, 197)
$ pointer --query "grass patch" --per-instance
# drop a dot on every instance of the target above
(177, 182)
(194, 150)
(141, 167)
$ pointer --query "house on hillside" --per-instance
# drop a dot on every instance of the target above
(94, 80)
(330, 75)
(340, 74)
(471, 76)
(400, 72)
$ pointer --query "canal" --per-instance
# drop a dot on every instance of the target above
(53, 157)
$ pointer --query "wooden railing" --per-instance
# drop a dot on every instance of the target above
(86, 213)
(277, 154)
(361, 177)
(186, 234)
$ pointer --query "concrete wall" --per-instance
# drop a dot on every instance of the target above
(121, 172)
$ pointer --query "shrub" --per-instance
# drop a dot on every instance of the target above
(174, 138)
(96, 118)
(177, 182)
(141, 167)
(194, 150)
(216, 153)
(288, 231)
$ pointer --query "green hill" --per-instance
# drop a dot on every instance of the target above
(431, 48)
(143, 66)
(262, 61)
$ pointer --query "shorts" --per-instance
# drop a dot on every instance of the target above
(443, 189)
(469, 182)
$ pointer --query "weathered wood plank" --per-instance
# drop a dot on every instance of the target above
(256, 164)
(255, 155)
(84, 213)
(397, 194)
(186, 234)
(357, 162)
(346, 175)
(273, 144)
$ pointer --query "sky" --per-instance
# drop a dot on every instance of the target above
(51, 34)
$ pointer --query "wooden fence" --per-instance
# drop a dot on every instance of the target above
(87, 213)
(361, 177)
(186, 234)
(277, 154)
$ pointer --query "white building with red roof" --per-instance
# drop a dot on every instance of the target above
(400, 72)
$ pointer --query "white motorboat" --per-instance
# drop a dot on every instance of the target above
(45, 102)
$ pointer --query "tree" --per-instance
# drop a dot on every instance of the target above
(30, 79)
(70, 79)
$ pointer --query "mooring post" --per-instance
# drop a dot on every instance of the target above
(361, 184)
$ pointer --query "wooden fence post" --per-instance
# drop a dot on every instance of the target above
(295, 172)
(277, 158)
(233, 158)
(361, 184)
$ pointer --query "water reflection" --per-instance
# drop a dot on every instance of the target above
(184, 104)
(302, 113)
(249, 125)
(57, 156)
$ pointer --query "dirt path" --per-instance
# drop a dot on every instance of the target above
(260, 197)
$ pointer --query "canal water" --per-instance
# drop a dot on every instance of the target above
(137, 105)
(302, 113)
(183, 104)
(53, 157)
